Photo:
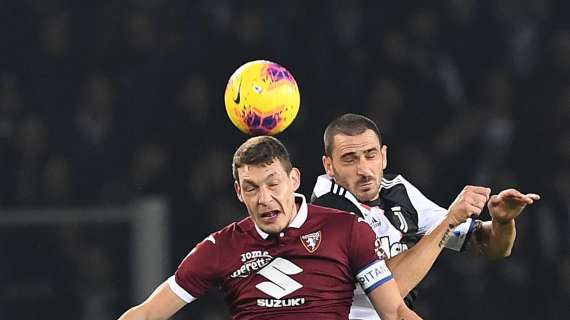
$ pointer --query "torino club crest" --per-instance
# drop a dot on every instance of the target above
(311, 241)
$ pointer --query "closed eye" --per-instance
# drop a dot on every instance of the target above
(348, 158)
(248, 187)
(372, 154)
(274, 183)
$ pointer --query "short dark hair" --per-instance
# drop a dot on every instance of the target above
(260, 150)
(349, 124)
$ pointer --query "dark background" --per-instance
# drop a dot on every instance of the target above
(102, 102)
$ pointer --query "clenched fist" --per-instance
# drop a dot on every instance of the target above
(468, 204)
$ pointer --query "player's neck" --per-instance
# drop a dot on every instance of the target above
(296, 208)
(372, 202)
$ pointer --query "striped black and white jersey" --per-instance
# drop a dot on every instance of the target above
(400, 217)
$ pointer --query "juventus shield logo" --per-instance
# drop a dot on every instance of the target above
(311, 241)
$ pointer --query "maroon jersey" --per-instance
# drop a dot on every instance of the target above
(308, 271)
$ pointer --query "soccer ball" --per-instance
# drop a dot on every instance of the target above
(262, 98)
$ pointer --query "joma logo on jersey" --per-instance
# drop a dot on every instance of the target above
(389, 250)
(254, 255)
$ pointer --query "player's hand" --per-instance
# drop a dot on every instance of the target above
(468, 204)
(509, 204)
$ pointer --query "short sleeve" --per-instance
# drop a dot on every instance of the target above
(370, 270)
(429, 213)
(198, 272)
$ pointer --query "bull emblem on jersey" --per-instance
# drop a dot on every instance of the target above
(311, 241)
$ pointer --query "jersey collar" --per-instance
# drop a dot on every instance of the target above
(374, 203)
(300, 218)
(326, 184)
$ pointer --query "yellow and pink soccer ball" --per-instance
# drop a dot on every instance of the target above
(262, 98)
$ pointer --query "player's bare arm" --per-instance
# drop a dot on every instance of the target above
(412, 265)
(389, 304)
(494, 239)
(163, 303)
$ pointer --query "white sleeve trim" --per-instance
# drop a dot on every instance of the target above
(458, 236)
(179, 291)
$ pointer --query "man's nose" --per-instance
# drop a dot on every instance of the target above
(264, 196)
(363, 169)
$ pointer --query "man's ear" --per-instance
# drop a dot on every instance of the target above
(237, 188)
(295, 177)
(384, 151)
(327, 164)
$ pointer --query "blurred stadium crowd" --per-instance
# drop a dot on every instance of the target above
(105, 101)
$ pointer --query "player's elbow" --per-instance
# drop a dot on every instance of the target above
(506, 253)
(135, 313)
(402, 312)
(405, 313)
(404, 290)
(403, 286)
(140, 312)
(499, 254)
